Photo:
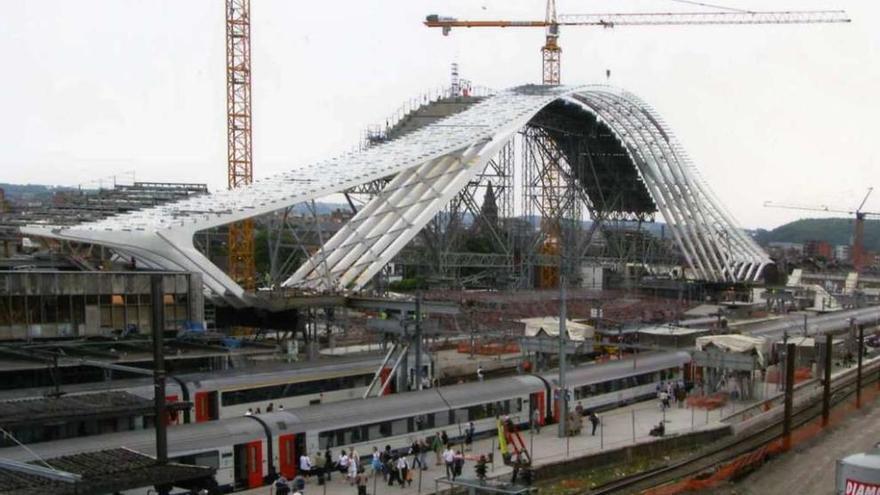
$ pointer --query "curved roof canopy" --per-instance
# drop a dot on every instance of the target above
(627, 141)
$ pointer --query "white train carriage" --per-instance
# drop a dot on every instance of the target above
(248, 451)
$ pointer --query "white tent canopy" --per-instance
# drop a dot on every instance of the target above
(549, 325)
(734, 343)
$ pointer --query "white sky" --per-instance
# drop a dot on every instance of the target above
(94, 88)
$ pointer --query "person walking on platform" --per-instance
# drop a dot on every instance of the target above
(445, 438)
(281, 486)
(320, 466)
(361, 482)
(305, 465)
(353, 466)
(393, 471)
(328, 463)
(594, 420)
(437, 447)
(449, 459)
(536, 420)
(480, 375)
(423, 454)
(376, 462)
(469, 436)
(403, 470)
(415, 451)
(457, 464)
(299, 483)
(664, 400)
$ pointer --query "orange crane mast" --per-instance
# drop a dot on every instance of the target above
(239, 146)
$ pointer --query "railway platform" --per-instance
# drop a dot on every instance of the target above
(618, 428)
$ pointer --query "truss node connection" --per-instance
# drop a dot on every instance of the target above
(430, 167)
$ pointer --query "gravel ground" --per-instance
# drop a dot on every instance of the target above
(809, 468)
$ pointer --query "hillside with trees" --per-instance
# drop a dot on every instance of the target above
(835, 231)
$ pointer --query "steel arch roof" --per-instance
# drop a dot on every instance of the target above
(430, 166)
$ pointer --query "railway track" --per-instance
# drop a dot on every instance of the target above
(727, 450)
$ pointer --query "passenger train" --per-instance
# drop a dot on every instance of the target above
(231, 393)
(249, 450)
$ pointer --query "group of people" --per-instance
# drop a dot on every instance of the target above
(322, 465)
(269, 408)
(671, 391)
(591, 416)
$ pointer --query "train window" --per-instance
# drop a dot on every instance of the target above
(399, 427)
(210, 459)
(439, 419)
(275, 392)
(461, 416)
(385, 428)
(373, 432)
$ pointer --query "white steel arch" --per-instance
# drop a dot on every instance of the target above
(430, 166)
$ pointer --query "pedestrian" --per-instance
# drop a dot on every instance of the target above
(415, 450)
(280, 407)
(393, 472)
(376, 461)
(353, 465)
(457, 464)
(361, 482)
(402, 470)
(320, 466)
(281, 486)
(305, 464)
(386, 462)
(342, 463)
(579, 409)
(664, 400)
(270, 408)
(469, 435)
(536, 420)
(328, 463)
(258, 411)
(423, 454)
(479, 372)
(249, 412)
(449, 459)
(299, 483)
(437, 447)
(445, 438)
(594, 420)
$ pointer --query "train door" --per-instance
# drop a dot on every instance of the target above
(287, 455)
(384, 374)
(206, 406)
(249, 464)
(537, 401)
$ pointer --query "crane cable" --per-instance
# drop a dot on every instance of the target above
(713, 6)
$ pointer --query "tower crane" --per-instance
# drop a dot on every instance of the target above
(551, 54)
(857, 252)
(551, 51)
(240, 171)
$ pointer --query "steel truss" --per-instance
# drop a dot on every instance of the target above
(430, 167)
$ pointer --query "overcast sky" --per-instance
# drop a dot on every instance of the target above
(96, 88)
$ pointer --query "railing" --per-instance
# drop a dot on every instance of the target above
(376, 133)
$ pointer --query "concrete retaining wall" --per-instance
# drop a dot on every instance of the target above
(655, 448)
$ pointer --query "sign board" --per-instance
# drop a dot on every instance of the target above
(726, 360)
(854, 487)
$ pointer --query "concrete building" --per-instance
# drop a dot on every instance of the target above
(56, 304)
